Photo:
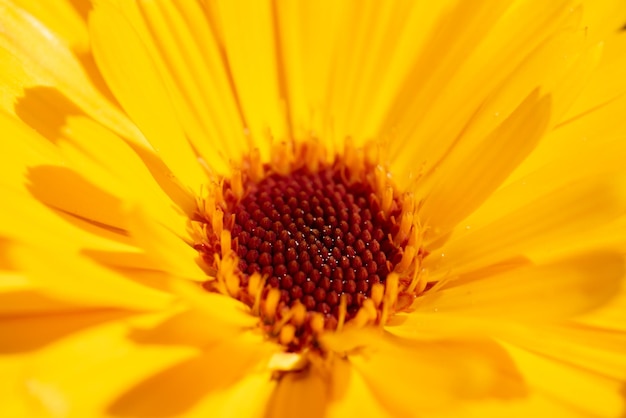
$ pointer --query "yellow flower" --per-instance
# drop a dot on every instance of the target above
(317, 209)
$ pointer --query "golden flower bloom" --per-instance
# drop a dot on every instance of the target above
(312, 209)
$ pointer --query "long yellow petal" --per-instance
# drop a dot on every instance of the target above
(133, 79)
(550, 220)
(469, 178)
(558, 290)
(249, 41)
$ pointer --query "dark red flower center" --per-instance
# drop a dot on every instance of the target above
(315, 237)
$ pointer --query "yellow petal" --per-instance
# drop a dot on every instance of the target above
(547, 171)
(542, 293)
(610, 316)
(350, 395)
(431, 376)
(15, 403)
(256, 388)
(483, 45)
(586, 393)
(606, 84)
(72, 278)
(549, 221)
(305, 67)
(168, 251)
(589, 349)
(535, 404)
(33, 331)
(187, 327)
(87, 179)
(53, 378)
(134, 81)
(248, 36)
(56, 230)
(123, 169)
(66, 190)
(184, 48)
(215, 308)
(467, 179)
(63, 18)
(210, 383)
(342, 81)
(29, 300)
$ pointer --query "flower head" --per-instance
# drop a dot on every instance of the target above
(218, 208)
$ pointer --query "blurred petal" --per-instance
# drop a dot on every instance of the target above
(302, 394)
(433, 375)
(208, 383)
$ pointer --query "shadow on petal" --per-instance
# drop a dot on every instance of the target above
(88, 63)
(166, 179)
(24, 301)
(133, 266)
(184, 328)
(181, 387)
(5, 259)
(120, 260)
(82, 7)
(22, 333)
(46, 110)
(68, 191)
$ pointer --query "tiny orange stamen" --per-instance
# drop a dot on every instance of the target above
(342, 312)
(407, 258)
(317, 322)
(232, 285)
(225, 243)
(380, 175)
(370, 309)
(237, 184)
(218, 222)
(254, 284)
(391, 288)
(406, 223)
(378, 291)
(361, 319)
(256, 171)
(255, 288)
(271, 303)
(299, 314)
(287, 334)
(387, 200)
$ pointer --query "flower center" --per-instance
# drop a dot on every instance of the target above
(311, 244)
(316, 238)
